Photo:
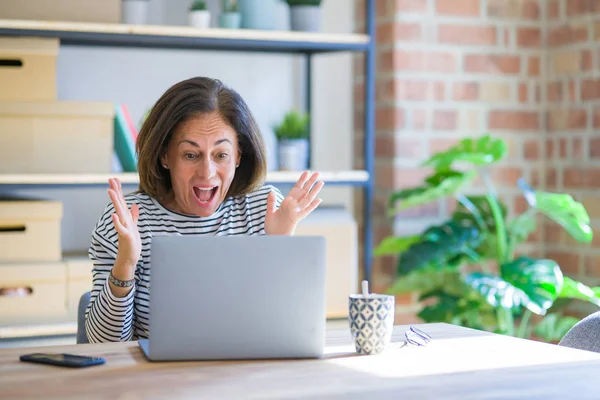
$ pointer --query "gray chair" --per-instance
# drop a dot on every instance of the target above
(84, 300)
(584, 335)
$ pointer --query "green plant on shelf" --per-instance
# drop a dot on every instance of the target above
(230, 6)
(293, 3)
(198, 5)
(294, 126)
(467, 270)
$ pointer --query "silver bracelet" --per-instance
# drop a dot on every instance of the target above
(118, 282)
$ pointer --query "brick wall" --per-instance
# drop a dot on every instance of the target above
(448, 69)
(573, 115)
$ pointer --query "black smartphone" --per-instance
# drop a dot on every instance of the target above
(63, 360)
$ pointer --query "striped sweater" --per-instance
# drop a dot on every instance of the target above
(113, 319)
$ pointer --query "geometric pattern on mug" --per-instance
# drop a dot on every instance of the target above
(371, 323)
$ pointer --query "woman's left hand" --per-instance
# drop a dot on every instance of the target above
(299, 203)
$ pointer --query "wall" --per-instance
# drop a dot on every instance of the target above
(271, 84)
(573, 143)
(447, 69)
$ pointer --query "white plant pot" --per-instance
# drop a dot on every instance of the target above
(293, 155)
(305, 18)
(134, 12)
(199, 19)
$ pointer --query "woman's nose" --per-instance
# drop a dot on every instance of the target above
(206, 168)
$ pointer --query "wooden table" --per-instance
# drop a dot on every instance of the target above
(459, 364)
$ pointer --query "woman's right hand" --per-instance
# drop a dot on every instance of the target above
(125, 221)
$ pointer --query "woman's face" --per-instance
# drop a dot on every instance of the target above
(201, 158)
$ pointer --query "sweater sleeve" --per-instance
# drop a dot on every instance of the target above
(107, 318)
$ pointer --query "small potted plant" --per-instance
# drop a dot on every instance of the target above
(292, 141)
(230, 17)
(134, 12)
(305, 15)
(199, 16)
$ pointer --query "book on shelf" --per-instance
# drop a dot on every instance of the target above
(125, 137)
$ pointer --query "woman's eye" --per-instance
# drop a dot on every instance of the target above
(223, 156)
(190, 156)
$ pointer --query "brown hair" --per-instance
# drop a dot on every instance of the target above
(182, 101)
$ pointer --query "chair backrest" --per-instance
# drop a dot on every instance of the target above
(84, 300)
(584, 335)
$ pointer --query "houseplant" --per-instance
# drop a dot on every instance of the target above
(199, 15)
(292, 141)
(451, 265)
(230, 16)
(305, 15)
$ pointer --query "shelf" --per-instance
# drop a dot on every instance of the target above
(58, 329)
(351, 178)
(183, 37)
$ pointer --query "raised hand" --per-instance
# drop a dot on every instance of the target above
(299, 203)
(125, 221)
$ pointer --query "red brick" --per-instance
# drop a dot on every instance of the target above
(531, 150)
(569, 263)
(562, 119)
(523, 93)
(391, 32)
(467, 34)
(555, 92)
(567, 34)
(562, 148)
(383, 8)
(493, 63)
(577, 149)
(465, 91)
(595, 147)
(587, 60)
(463, 8)
(439, 145)
(506, 175)
(553, 9)
(419, 119)
(590, 89)
(420, 90)
(394, 146)
(596, 118)
(385, 90)
(583, 178)
(514, 120)
(386, 60)
(406, 318)
(521, 9)
(411, 6)
(591, 265)
(572, 91)
(529, 37)
(551, 178)
(389, 118)
(534, 66)
(553, 233)
(444, 119)
(580, 7)
(425, 61)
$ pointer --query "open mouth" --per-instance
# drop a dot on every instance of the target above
(205, 195)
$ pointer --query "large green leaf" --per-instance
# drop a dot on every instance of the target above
(481, 151)
(499, 293)
(439, 185)
(394, 245)
(572, 289)
(540, 280)
(521, 227)
(441, 246)
(561, 208)
(554, 326)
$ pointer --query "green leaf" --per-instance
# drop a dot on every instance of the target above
(482, 206)
(443, 310)
(393, 245)
(561, 208)
(427, 280)
(572, 289)
(499, 293)
(480, 151)
(440, 185)
(554, 327)
(441, 246)
(540, 280)
(521, 227)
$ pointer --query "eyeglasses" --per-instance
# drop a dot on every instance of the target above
(416, 337)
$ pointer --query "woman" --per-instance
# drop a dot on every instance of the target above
(201, 163)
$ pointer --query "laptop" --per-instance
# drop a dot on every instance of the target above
(236, 297)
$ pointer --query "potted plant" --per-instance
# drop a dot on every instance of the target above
(292, 141)
(468, 270)
(305, 15)
(230, 17)
(134, 12)
(198, 15)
